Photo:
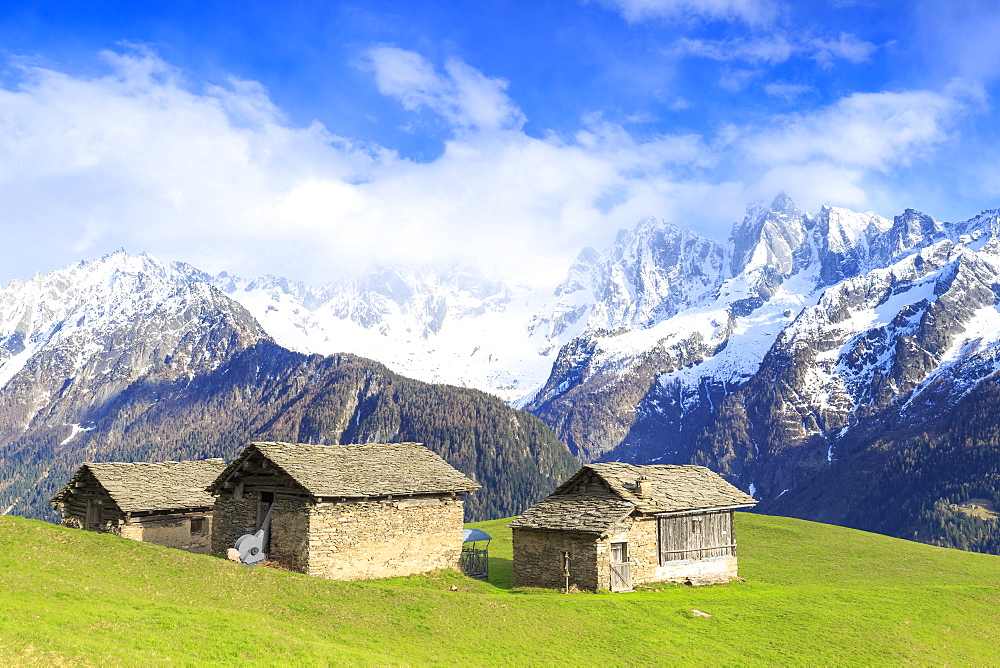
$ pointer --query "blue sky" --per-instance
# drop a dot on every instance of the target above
(307, 139)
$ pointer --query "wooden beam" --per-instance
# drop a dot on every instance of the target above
(265, 488)
(291, 497)
(267, 480)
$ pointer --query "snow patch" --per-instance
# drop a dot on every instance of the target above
(76, 429)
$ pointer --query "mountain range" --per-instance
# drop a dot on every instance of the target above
(818, 361)
(129, 359)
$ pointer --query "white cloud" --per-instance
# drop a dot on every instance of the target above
(218, 177)
(776, 48)
(462, 95)
(738, 79)
(847, 47)
(788, 91)
(753, 12)
(771, 51)
(828, 154)
(867, 130)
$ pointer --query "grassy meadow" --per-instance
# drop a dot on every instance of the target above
(814, 595)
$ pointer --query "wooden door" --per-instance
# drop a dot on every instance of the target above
(621, 568)
(94, 514)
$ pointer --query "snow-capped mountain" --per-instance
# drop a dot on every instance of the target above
(130, 359)
(790, 276)
(828, 335)
(459, 326)
(80, 335)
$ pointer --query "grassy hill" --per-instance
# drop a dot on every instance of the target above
(815, 594)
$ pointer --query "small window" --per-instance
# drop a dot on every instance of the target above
(696, 526)
(197, 525)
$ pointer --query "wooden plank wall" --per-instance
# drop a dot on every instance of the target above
(83, 491)
(696, 536)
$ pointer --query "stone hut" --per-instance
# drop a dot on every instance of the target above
(347, 512)
(612, 526)
(156, 502)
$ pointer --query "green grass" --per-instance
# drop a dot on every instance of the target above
(815, 594)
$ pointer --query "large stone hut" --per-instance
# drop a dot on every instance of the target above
(347, 512)
(612, 526)
(156, 502)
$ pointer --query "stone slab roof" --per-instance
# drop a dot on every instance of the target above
(575, 513)
(672, 488)
(149, 486)
(668, 489)
(359, 470)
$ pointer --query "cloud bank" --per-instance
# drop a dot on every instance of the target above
(217, 176)
(752, 12)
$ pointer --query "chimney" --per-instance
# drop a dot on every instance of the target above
(643, 488)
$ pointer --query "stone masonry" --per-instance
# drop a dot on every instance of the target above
(232, 519)
(540, 560)
(171, 532)
(377, 539)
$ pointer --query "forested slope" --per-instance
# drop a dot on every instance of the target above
(267, 392)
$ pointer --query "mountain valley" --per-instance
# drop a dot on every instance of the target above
(817, 361)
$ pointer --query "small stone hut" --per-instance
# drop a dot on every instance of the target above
(347, 512)
(612, 526)
(155, 502)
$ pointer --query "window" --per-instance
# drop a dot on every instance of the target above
(197, 525)
(696, 526)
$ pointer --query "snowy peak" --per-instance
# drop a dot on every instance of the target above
(769, 239)
(649, 274)
(848, 243)
(87, 296)
(910, 230)
(457, 325)
(579, 275)
(844, 230)
(73, 339)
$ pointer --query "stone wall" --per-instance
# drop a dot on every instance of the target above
(232, 519)
(643, 550)
(289, 543)
(538, 560)
(698, 571)
(377, 539)
(170, 531)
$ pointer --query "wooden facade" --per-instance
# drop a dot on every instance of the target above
(699, 535)
(345, 511)
(612, 526)
(155, 502)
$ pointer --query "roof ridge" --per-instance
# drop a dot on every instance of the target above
(357, 470)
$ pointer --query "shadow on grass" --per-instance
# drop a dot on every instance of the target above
(501, 572)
